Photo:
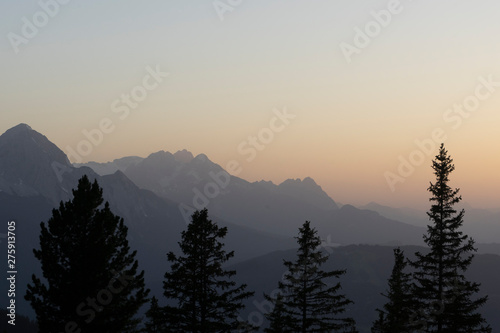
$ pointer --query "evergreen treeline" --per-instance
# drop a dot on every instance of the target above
(89, 269)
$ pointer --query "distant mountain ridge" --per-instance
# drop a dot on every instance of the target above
(33, 166)
(108, 168)
(30, 165)
(162, 169)
(307, 190)
(35, 176)
(154, 195)
(196, 182)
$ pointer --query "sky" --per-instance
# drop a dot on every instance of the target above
(357, 95)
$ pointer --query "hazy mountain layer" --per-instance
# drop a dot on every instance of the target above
(156, 195)
(368, 268)
(197, 182)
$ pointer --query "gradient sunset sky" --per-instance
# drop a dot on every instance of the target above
(232, 64)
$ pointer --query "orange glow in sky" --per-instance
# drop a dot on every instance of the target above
(176, 75)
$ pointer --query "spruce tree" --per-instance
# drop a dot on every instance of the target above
(446, 300)
(154, 318)
(205, 296)
(311, 299)
(395, 315)
(379, 324)
(277, 318)
(90, 276)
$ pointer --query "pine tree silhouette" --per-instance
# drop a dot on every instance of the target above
(277, 318)
(90, 276)
(207, 300)
(311, 300)
(395, 315)
(444, 297)
(155, 318)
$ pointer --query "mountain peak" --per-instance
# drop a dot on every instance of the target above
(160, 155)
(201, 157)
(19, 131)
(31, 164)
(183, 156)
(20, 127)
(309, 191)
(33, 146)
(306, 183)
(309, 181)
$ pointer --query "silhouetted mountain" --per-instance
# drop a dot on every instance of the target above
(183, 156)
(307, 190)
(119, 164)
(32, 187)
(169, 177)
(155, 195)
(197, 182)
(31, 165)
(175, 176)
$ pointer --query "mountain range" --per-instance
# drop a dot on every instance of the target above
(195, 182)
(156, 195)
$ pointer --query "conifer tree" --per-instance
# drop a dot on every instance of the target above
(311, 299)
(445, 297)
(379, 324)
(277, 317)
(395, 315)
(206, 299)
(154, 318)
(90, 276)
